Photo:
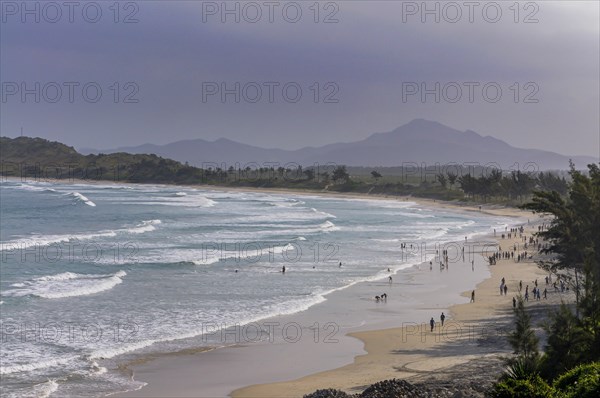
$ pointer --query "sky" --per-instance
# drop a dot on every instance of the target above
(295, 74)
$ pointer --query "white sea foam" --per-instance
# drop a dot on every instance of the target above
(44, 240)
(82, 198)
(39, 187)
(180, 194)
(44, 390)
(246, 252)
(329, 226)
(271, 219)
(145, 226)
(41, 364)
(67, 284)
(179, 201)
(322, 213)
(65, 276)
(97, 369)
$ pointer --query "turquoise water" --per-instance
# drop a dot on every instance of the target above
(95, 274)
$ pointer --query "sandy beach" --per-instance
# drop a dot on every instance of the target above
(373, 342)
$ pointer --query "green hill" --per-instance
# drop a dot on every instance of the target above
(37, 158)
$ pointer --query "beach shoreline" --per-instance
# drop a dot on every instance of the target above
(476, 333)
(473, 332)
(161, 373)
(177, 374)
(416, 287)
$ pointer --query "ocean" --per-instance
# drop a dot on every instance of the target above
(95, 275)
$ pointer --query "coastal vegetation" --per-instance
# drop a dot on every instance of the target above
(39, 159)
(570, 364)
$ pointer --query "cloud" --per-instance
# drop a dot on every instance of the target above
(368, 54)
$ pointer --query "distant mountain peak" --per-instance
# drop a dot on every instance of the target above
(422, 122)
(418, 141)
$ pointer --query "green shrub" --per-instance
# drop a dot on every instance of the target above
(522, 368)
(534, 387)
(568, 345)
(582, 381)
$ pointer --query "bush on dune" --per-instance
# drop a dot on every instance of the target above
(533, 387)
(582, 381)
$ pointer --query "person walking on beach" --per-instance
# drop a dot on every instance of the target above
(520, 285)
(442, 318)
(505, 289)
(432, 323)
(545, 294)
(473, 296)
(514, 302)
(283, 270)
(390, 279)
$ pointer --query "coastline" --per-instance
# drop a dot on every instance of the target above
(363, 356)
(475, 333)
(352, 309)
(177, 374)
(482, 208)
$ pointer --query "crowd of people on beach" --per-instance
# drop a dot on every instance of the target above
(536, 293)
(513, 253)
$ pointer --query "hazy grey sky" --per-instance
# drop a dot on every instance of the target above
(368, 61)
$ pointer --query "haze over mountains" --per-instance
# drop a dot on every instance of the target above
(419, 141)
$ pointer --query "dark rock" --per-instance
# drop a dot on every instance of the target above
(394, 388)
(328, 393)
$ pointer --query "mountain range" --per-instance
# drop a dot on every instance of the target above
(419, 141)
